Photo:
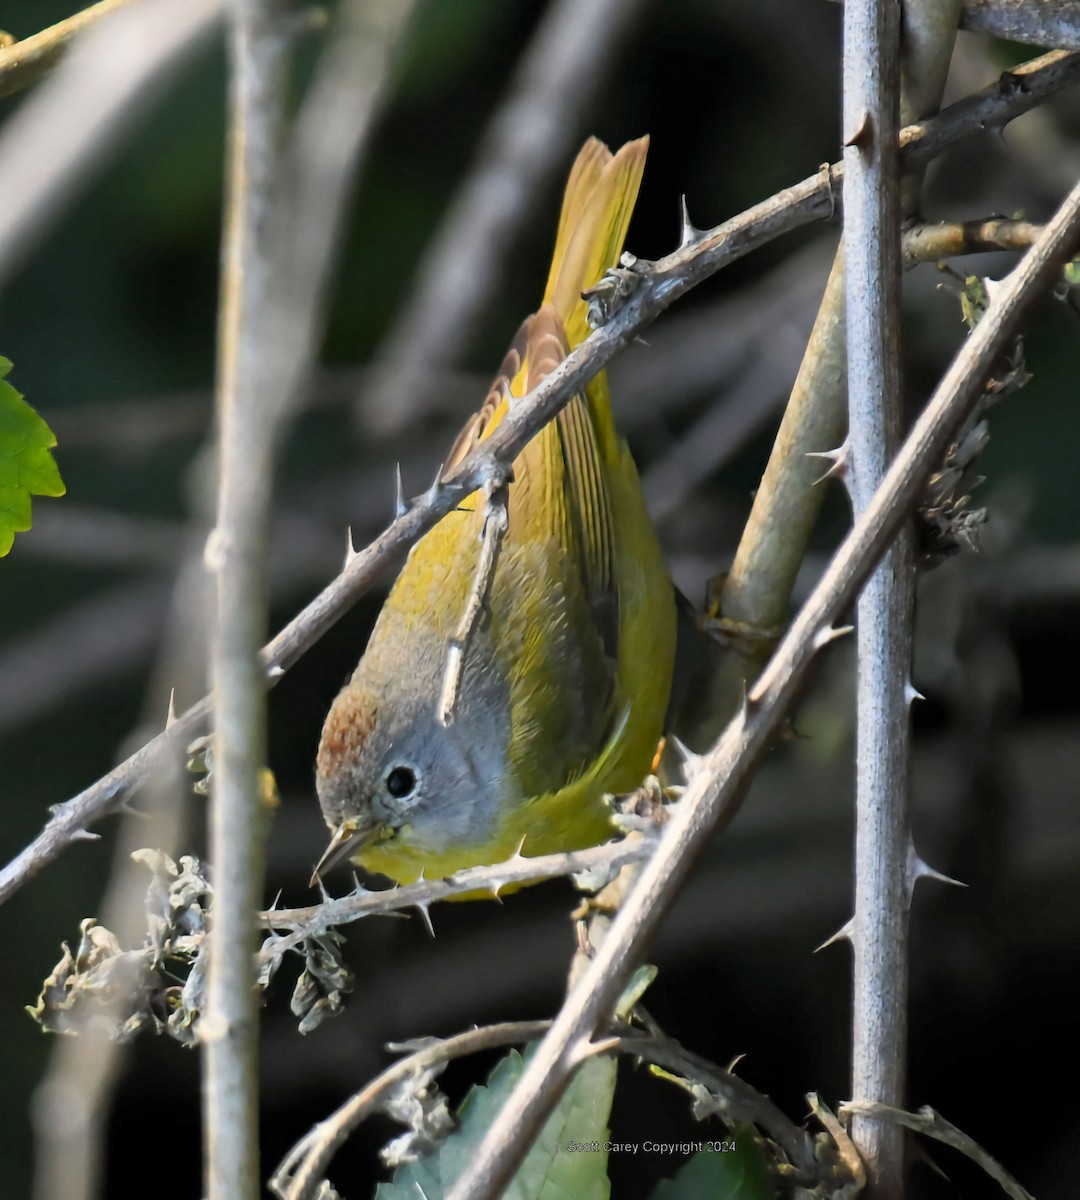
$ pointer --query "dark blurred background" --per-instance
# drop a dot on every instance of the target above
(110, 326)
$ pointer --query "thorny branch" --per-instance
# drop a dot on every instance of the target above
(661, 283)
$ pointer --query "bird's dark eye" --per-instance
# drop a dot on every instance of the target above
(400, 782)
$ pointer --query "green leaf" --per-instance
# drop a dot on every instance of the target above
(551, 1170)
(26, 466)
(739, 1173)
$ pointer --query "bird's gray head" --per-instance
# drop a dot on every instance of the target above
(388, 768)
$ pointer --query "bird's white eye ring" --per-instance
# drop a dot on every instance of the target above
(401, 781)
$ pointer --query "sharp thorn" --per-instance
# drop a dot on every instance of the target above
(843, 934)
(350, 549)
(918, 869)
(85, 835)
(275, 671)
(689, 761)
(436, 485)
(401, 506)
(830, 633)
(912, 693)
(837, 460)
(861, 136)
(170, 716)
(422, 909)
(689, 233)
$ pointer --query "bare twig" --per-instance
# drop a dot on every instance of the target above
(878, 931)
(932, 1124)
(527, 140)
(719, 778)
(950, 239)
(24, 63)
(662, 283)
(50, 147)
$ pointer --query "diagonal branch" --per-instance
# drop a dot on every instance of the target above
(661, 284)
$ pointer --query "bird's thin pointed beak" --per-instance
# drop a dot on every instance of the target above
(349, 837)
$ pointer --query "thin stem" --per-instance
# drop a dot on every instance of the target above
(666, 280)
(720, 777)
(236, 554)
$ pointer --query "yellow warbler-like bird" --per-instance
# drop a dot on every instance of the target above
(566, 674)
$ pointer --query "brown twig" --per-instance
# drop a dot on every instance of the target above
(662, 283)
(951, 239)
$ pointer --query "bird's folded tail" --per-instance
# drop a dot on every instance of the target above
(599, 200)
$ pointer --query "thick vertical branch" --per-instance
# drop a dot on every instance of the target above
(879, 926)
(236, 553)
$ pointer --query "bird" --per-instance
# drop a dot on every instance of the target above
(561, 686)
